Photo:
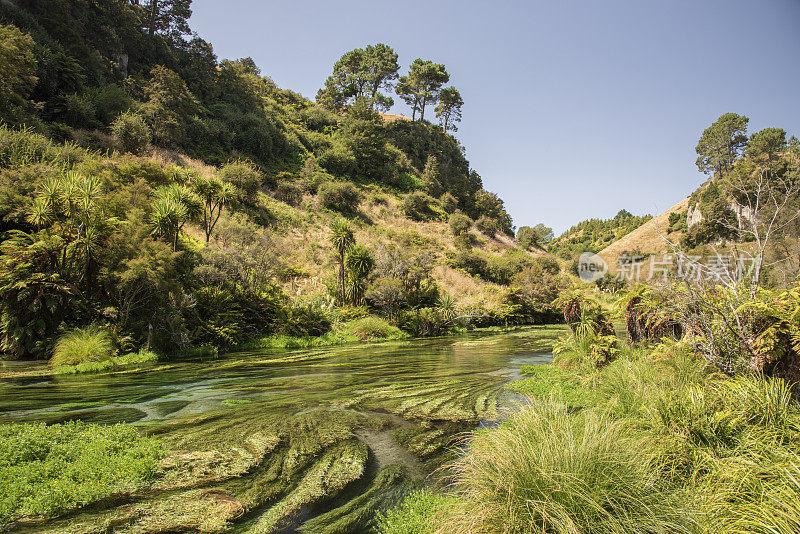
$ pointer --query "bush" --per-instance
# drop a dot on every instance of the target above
(459, 223)
(487, 226)
(108, 101)
(549, 471)
(417, 206)
(448, 202)
(244, 176)
(49, 470)
(83, 345)
(289, 192)
(340, 196)
(374, 328)
(131, 133)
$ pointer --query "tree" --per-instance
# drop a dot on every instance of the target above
(169, 18)
(545, 233)
(528, 237)
(422, 85)
(342, 240)
(17, 69)
(360, 264)
(361, 74)
(173, 206)
(721, 144)
(215, 195)
(431, 177)
(449, 109)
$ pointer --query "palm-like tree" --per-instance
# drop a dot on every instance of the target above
(342, 240)
(167, 218)
(215, 195)
(173, 206)
(360, 264)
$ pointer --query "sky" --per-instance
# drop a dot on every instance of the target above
(573, 109)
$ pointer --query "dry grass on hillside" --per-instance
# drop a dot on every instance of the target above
(650, 238)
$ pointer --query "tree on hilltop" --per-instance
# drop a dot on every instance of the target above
(422, 85)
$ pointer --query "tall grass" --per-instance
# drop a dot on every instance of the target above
(83, 345)
(549, 471)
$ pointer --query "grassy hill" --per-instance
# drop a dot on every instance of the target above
(648, 239)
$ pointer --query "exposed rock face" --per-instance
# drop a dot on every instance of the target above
(743, 213)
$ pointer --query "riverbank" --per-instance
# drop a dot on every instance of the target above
(654, 441)
(369, 330)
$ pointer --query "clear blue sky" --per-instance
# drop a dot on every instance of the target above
(573, 109)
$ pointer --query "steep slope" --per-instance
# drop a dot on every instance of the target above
(650, 238)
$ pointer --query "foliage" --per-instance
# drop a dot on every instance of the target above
(594, 235)
(547, 470)
(17, 70)
(721, 144)
(487, 226)
(422, 85)
(49, 470)
(417, 206)
(131, 133)
(115, 362)
(84, 345)
(550, 383)
(449, 109)
(340, 196)
(459, 223)
(361, 74)
(417, 514)
(244, 176)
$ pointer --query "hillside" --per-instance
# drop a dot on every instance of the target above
(648, 239)
(166, 200)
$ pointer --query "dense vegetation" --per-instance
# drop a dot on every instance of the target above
(149, 192)
(593, 235)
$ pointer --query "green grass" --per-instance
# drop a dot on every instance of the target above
(91, 344)
(114, 362)
(549, 382)
(417, 514)
(49, 470)
(549, 471)
(358, 330)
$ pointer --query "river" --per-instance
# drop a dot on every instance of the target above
(295, 441)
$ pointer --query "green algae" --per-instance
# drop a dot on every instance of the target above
(314, 440)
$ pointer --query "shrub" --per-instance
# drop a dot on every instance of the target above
(289, 192)
(549, 471)
(459, 223)
(340, 196)
(131, 133)
(244, 176)
(108, 101)
(374, 328)
(417, 206)
(448, 202)
(90, 344)
(49, 470)
(487, 226)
